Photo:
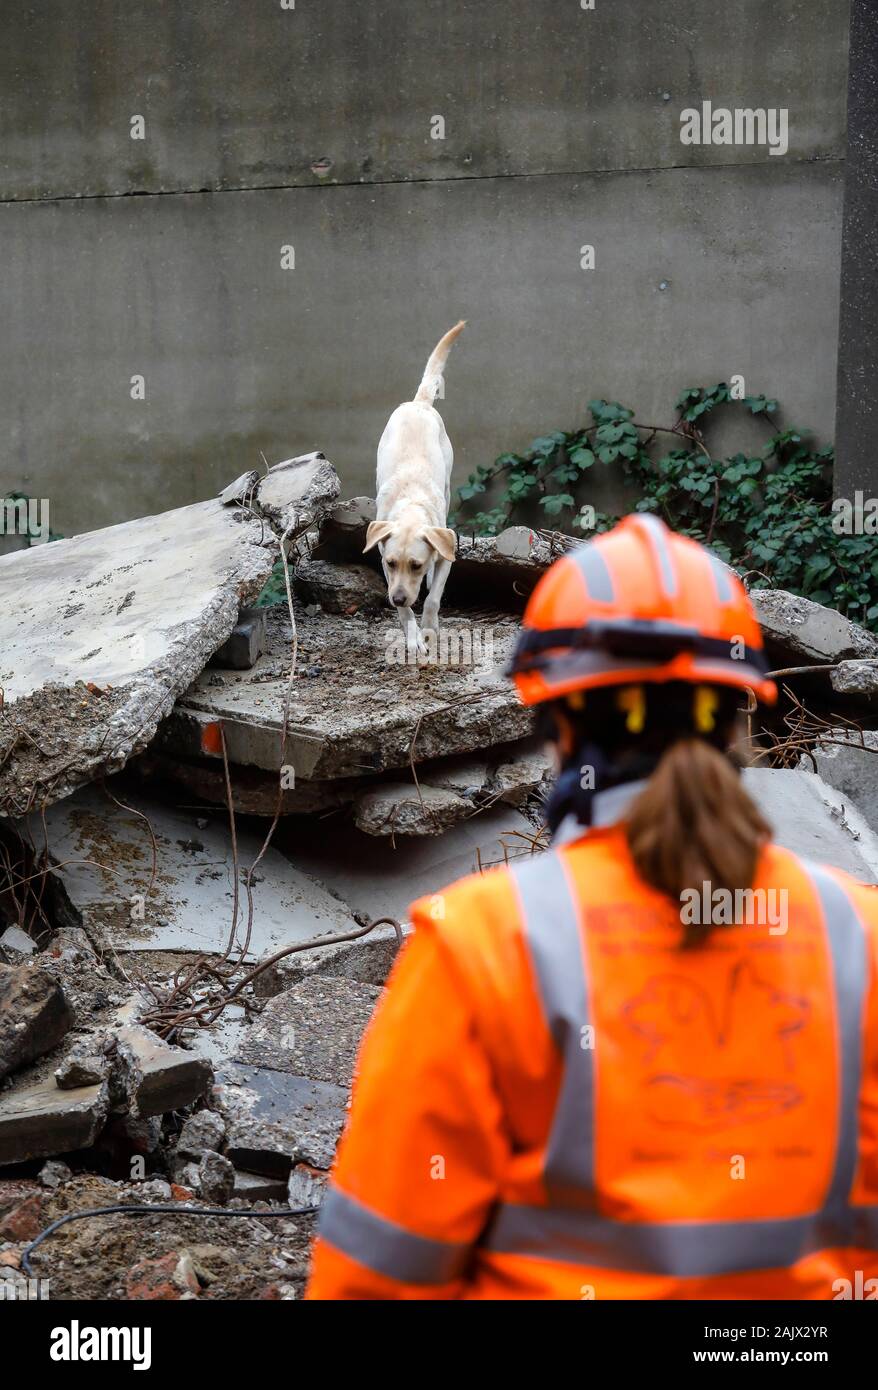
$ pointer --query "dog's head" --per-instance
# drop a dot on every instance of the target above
(407, 551)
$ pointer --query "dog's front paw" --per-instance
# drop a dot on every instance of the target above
(430, 621)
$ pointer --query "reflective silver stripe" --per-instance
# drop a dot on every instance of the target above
(594, 570)
(386, 1248)
(551, 922)
(695, 1249)
(657, 533)
(721, 578)
(566, 1230)
(847, 944)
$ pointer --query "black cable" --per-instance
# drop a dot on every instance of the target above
(176, 1210)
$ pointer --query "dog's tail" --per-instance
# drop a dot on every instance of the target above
(431, 381)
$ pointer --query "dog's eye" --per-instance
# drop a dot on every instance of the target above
(415, 565)
(391, 564)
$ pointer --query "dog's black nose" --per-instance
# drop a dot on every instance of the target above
(398, 598)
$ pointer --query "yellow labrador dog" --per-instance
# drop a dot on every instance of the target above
(414, 492)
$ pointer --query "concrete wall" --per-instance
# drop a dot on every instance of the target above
(310, 127)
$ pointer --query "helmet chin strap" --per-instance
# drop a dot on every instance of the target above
(587, 772)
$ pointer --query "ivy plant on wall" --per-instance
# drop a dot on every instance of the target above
(768, 513)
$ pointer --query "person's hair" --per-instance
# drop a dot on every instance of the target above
(693, 824)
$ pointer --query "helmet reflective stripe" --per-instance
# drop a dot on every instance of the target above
(594, 570)
(722, 579)
(574, 1233)
(656, 533)
(385, 1247)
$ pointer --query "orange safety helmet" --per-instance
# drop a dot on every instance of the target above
(638, 604)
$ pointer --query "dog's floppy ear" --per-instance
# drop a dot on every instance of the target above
(378, 531)
(442, 539)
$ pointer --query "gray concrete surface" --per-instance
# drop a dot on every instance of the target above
(562, 129)
(812, 819)
(107, 857)
(249, 96)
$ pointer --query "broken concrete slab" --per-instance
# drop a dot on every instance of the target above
(169, 1078)
(206, 1129)
(357, 707)
(106, 857)
(804, 632)
(101, 632)
(813, 820)
(349, 588)
(253, 1187)
(216, 1178)
(848, 761)
(14, 939)
(368, 959)
(275, 1119)
(312, 1029)
(527, 773)
(35, 1015)
(254, 791)
(295, 494)
(856, 678)
(401, 808)
(37, 1120)
(379, 879)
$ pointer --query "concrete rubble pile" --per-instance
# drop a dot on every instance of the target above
(145, 699)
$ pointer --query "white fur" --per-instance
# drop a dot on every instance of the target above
(413, 495)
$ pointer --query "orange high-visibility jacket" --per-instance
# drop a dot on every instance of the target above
(553, 1100)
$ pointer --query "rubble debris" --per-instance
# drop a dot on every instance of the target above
(401, 808)
(254, 791)
(367, 960)
(306, 1186)
(38, 1120)
(170, 1276)
(380, 879)
(252, 1187)
(245, 642)
(243, 489)
(804, 631)
(848, 761)
(216, 1178)
(312, 1029)
(357, 709)
(170, 1078)
(294, 495)
(203, 1131)
(35, 1015)
(88, 1064)
(275, 1119)
(341, 588)
(107, 870)
(812, 819)
(53, 1173)
(14, 939)
(100, 633)
(857, 678)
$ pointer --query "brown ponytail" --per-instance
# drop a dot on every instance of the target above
(694, 824)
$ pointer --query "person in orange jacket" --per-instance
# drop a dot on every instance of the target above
(643, 1064)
